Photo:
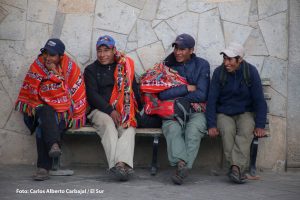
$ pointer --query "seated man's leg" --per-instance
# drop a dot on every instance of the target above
(241, 150)
(227, 128)
(125, 146)
(48, 134)
(106, 129)
(176, 148)
(194, 132)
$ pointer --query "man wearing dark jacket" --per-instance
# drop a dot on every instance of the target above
(112, 94)
(236, 109)
(183, 142)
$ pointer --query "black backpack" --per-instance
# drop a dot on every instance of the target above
(246, 74)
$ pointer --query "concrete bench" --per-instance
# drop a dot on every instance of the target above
(156, 133)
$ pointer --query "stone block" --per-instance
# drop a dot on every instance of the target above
(275, 33)
(112, 15)
(235, 11)
(165, 34)
(3, 14)
(12, 55)
(200, 6)
(236, 32)
(255, 44)
(155, 22)
(11, 88)
(210, 37)
(253, 14)
(145, 33)
(135, 3)
(12, 26)
(151, 54)
(16, 148)
(138, 67)
(131, 46)
(272, 150)
(133, 35)
(5, 107)
(149, 10)
(170, 8)
(276, 70)
(186, 22)
(277, 105)
(36, 36)
(42, 10)
(16, 3)
(267, 8)
(120, 40)
(257, 61)
(76, 6)
(77, 41)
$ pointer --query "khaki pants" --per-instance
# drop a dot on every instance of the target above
(237, 134)
(118, 143)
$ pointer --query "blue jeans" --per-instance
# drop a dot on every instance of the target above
(48, 131)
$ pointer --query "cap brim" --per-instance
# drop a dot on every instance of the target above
(49, 50)
(229, 53)
(178, 44)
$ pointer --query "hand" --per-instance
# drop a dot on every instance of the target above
(213, 132)
(259, 132)
(52, 67)
(116, 117)
(191, 88)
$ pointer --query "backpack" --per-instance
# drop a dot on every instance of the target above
(178, 109)
(246, 74)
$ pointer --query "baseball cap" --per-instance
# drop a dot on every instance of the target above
(105, 40)
(184, 41)
(54, 46)
(234, 49)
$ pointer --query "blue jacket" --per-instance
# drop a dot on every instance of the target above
(236, 97)
(196, 71)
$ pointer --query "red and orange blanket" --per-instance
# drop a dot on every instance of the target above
(65, 93)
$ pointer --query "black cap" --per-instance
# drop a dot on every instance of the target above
(184, 41)
(54, 46)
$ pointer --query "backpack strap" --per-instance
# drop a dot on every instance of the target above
(223, 76)
(246, 73)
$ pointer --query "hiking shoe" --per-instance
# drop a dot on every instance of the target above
(41, 174)
(180, 174)
(54, 151)
(235, 175)
(119, 173)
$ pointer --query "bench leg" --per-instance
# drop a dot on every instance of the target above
(153, 169)
(56, 171)
(253, 155)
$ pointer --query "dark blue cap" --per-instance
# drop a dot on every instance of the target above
(184, 41)
(54, 46)
(105, 40)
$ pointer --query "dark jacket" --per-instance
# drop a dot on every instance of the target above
(99, 80)
(236, 97)
(196, 71)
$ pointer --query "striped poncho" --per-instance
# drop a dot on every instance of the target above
(64, 93)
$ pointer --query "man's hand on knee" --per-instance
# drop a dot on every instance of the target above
(259, 132)
(116, 117)
(213, 132)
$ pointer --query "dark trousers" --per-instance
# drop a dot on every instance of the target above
(48, 131)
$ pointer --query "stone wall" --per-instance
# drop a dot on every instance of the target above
(145, 30)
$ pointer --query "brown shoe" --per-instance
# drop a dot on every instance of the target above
(41, 174)
(54, 151)
(180, 174)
